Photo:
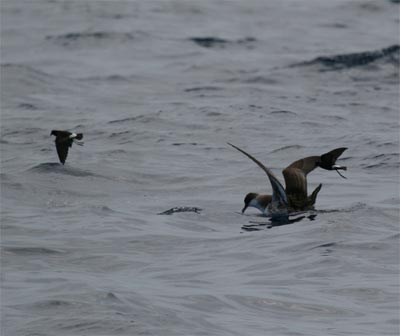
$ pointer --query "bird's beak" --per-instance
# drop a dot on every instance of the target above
(244, 209)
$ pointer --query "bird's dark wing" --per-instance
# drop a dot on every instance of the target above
(296, 173)
(306, 165)
(62, 134)
(329, 159)
(313, 197)
(296, 182)
(62, 146)
(296, 176)
(278, 194)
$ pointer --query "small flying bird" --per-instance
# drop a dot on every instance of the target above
(294, 197)
(64, 140)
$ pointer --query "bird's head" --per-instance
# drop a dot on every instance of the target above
(248, 199)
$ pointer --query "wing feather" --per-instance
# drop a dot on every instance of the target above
(296, 176)
(62, 149)
(329, 159)
(296, 173)
(296, 182)
(278, 194)
(306, 165)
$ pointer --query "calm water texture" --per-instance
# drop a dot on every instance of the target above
(158, 88)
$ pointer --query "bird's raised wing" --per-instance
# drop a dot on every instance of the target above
(296, 175)
(278, 192)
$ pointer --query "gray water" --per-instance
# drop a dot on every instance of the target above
(158, 88)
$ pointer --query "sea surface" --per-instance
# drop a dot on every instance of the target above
(158, 88)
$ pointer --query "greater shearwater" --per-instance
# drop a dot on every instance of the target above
(64, 140)
(294, 197)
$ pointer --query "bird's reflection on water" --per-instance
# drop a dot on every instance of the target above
(277, 221)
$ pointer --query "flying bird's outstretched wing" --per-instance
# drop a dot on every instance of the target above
(62, 146)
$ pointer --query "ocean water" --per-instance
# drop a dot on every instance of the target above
(158, 88)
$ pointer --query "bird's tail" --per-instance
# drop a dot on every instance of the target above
(79, 143)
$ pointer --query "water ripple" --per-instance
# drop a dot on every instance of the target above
(54, 167)
(390, 54)
(274, 306)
